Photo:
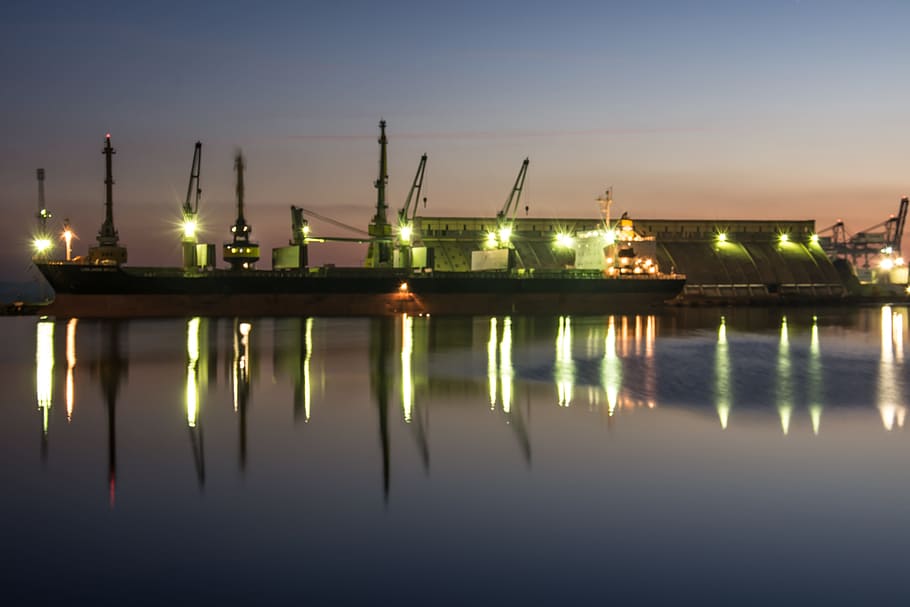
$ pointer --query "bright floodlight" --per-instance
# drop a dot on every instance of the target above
(610, 236)
(189, 228)
(491, 239)
(505, 233)
(42, 244)
(886, 264)
(784, 238)
(564, 240)
(814, 239)
(722, 237)
(404, 233)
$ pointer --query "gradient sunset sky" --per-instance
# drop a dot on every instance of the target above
(727, 109)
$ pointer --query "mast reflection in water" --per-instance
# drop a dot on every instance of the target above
(111, 368)
(693, 415)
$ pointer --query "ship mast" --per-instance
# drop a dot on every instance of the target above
(107, 236)
(379, 253)
(42, 242)
(380, 184)
(43, 214)
(108, 250)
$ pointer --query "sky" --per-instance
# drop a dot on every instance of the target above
(691, 110)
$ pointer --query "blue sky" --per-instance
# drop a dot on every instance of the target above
(788, 110)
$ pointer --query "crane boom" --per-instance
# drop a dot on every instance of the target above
(408, 213)
(510, 208)
(191, 205)
(900, 221)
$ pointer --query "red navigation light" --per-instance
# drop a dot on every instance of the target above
(108, 136)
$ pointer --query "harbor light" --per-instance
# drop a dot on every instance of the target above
(491, 239)
(886, 263)
(505, 234)
(722, 237)
(784, 238)
(68, 239)
(564, 240)
(404, 233)
(403, 287)
(814, 239)
(41, 244)
(189, 228)
(610, 237)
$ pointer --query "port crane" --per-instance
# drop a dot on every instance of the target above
(193, 194)
(408, 213)
(883, 238)
(191, 210)
(241, 253)
(506, 216)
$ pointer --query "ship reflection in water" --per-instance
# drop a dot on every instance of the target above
(411, 344)
(333, 417)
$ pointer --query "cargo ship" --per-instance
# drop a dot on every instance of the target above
(594, 272)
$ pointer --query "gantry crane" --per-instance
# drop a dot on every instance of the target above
(883, 238)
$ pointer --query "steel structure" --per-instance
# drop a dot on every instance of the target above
(883, 238)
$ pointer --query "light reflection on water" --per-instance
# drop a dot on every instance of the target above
(636, 342)
(590, 398)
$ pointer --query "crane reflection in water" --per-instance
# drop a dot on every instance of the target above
(194, 331)
(240, 380)
(612, 359)
(293, 355)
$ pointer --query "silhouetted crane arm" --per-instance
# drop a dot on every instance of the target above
(409, 212)
(510, 208)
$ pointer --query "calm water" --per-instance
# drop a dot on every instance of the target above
(699, 456)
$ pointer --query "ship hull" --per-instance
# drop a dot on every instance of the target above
(110, 291)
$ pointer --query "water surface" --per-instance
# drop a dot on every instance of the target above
(712, 456)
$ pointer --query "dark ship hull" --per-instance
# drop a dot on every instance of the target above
(86, 290)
